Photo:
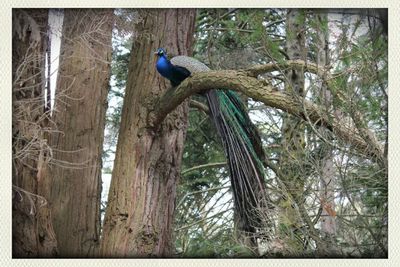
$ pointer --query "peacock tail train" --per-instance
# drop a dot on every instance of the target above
(245, 167)
(243, 148)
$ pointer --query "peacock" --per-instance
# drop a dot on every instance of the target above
(240, 138)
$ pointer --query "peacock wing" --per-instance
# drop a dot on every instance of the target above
(189, 63)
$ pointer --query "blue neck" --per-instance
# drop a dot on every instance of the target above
(175, 74)
(164, 66)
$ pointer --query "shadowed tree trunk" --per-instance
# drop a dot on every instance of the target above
(32, 231)
(293, 139)
(79, 115)
(141, 201)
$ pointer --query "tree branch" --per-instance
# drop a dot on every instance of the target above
(297, 64)
(247, 83)
(204, 166)
(200, 106)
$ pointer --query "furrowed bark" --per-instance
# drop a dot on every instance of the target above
(32, 229)
(79, 115)
(141, 202)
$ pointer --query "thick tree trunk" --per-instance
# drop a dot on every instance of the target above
(32, 231)
(79, 115)
(141, 202)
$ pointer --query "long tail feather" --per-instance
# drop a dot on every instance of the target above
(242, 146)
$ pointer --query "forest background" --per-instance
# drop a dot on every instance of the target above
(204, 219)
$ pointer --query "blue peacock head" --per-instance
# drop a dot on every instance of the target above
(160, 52)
